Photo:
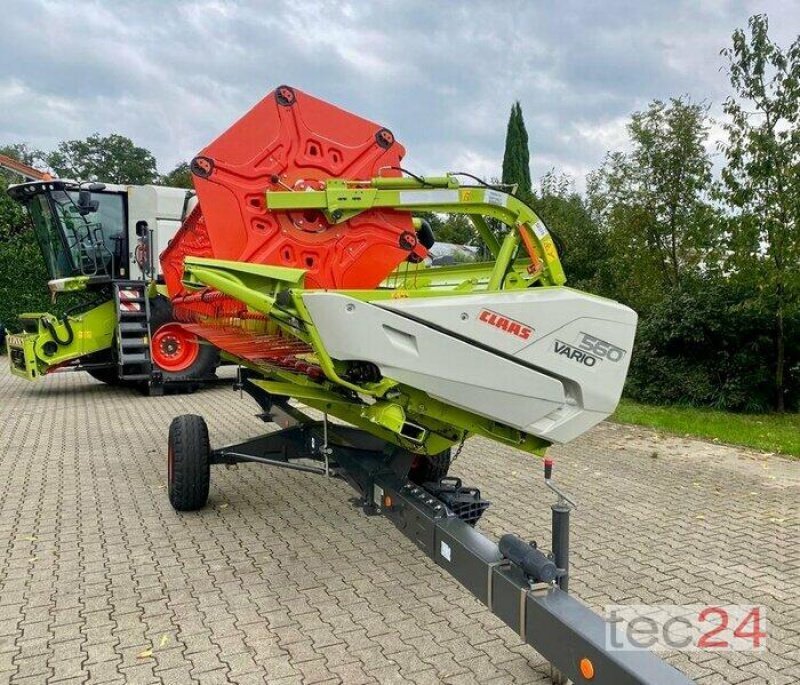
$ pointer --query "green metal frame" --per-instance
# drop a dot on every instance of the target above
(342, 200)
(392, 407)
(71, 284)
(277, 292)
(93, 332)
(35, 352)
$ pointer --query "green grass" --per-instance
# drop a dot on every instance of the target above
(767, 432)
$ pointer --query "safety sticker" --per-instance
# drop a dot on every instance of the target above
(445, 550)
(540, 229)
(428, 197)
(495, 197)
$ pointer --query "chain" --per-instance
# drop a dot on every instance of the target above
(458, 450)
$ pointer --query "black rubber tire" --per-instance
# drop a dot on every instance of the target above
(188, 463)
(109, 376)
(203, 368)
(430, 469)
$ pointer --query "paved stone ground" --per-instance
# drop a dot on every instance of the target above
(279, 580)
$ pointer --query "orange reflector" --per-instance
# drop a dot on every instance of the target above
(387, 502)
(587, 668)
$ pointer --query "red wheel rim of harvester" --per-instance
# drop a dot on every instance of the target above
(174, 348)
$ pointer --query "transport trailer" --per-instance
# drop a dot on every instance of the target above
(304, 263)
(519, 583)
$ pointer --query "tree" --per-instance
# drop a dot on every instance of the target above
(23, 153)
(111, 159)
(762, 178)
(179, 177)
(450, 228)
(23, 278)
(12, 217)
(654, 202)
(516, 158)
(584, 247)
(457, 229)
(703, 345)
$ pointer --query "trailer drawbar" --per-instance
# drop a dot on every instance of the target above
(519, 583)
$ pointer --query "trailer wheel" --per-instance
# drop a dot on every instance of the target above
(188, 463)
(176, 352)
(430, 469)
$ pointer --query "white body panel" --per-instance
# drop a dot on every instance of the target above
(549, 361)
(162, 208)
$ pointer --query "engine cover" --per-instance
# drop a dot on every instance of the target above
(293, 141)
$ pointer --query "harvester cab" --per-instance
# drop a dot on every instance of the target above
(91, 234)
(80, 229)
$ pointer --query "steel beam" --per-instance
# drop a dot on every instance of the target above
(559, 627)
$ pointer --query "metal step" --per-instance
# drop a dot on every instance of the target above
(133, 327)
(134, 344)
(133, 358)
(133, 330)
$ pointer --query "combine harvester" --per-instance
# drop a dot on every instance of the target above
(100, 239)
(303, 264)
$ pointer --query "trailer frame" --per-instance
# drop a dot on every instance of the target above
(517, 582)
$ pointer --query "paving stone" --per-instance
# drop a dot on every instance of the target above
(281, 581)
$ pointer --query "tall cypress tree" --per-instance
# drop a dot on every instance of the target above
(516, 159)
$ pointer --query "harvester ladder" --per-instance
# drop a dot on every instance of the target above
(133, 330)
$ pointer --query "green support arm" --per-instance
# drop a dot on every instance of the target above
(342, 200)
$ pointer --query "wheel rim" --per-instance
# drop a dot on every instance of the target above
(174, 348)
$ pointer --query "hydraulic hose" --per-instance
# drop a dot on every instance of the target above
(51, 329)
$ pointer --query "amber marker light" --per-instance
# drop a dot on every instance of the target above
(587, 668)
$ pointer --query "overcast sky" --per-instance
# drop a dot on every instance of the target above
(442, 75)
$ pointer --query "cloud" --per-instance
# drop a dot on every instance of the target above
(442, 76)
